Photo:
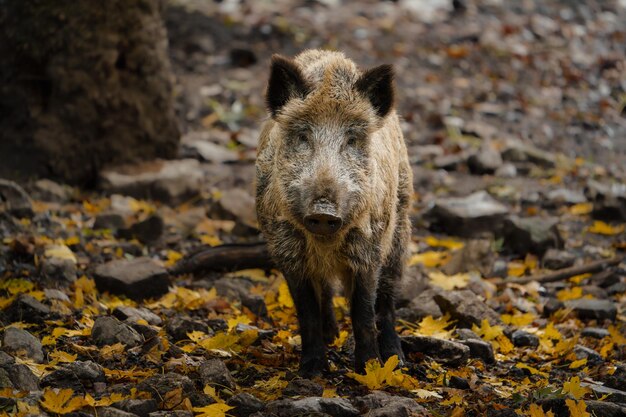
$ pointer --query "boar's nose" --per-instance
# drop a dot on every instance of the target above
(322, 223)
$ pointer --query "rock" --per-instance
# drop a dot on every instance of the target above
(521, 338)
(458, 383)
(303, 387)
(558, 259)
(506, 170)
(5, 381)
(208, 151)
(413, 284)
(23, 378)
(615, 395)
(147, 231)
(174, 413)
(58, 295)
(564, 196)
(424, 305)
(475, 255)
(588, 309)
(485, 161)
(109, 220)
(261, 333)
(19, 342)
(178, 327)
(531, 234)
(256, 304)
(552, 306)
(59, 264)
(466, 308)
(605, 409)
(609, 201)
(593, 357)
(244, 404)
(480, 349)
(466, 334)
(450, 162)
(6, 359)
(76, 375)
(109, 331)
(595, 332)
(519, 152)
(617, 288)
(445, 351)
(136, 314)
(467, 216)
(14, 200)
(47, 190)
(140, 407)
(215, 373)
(113, 412)
(236, 204)
(336, 407)
(138, 278)
(27, 309)
(171, 182)
(382, 404)
(159, 385)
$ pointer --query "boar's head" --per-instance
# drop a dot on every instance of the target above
(326, 118)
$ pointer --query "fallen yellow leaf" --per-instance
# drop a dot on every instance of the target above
(577, 408)
(430, 326)
(444, 243)
(569, 294)
(573, 387)
(61, 401)
(449, 282)
(601, 228)
(430, 259)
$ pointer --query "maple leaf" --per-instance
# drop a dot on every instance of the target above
(430, 259)
(61, 401)
(449, 282)
(376, 376)
(519, 320)
(578, 363)
(503, 344)
(340, 340)
(60, 356)
(487, 331)
(173, 257)
(213, 410)
(17, 286)
(445, 243)
(430, 326)
(533, 371)
(601, 228)
(284, 296)
(577, 408)
(536, 411)
(616, 336)
(569, 294)
(581, 209)
(573, 387)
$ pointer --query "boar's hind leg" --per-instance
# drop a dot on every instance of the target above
(329, 322)
(313, 359)
(390, 275)
(363, 319)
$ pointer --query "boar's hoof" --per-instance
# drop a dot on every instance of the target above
(312, 367)
(322, 224)
(389, 347)
(331, 332)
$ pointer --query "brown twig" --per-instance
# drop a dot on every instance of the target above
(566, 272)
(225, 258)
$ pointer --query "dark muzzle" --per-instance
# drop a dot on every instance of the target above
(323, 219)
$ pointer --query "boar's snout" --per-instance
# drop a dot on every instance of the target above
(322, 219)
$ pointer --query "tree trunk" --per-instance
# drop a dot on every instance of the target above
(83, 84)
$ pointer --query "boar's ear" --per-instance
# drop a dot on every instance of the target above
(286, 82)
(376, 85)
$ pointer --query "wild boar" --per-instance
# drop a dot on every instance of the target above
(332, 196)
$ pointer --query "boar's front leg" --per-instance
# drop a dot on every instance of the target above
(364, 319)
(329, 322)
(313, 359)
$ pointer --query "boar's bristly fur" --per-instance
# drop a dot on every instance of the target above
(333, 193)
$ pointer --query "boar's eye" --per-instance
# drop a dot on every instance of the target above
(302, 138)
(352, 139)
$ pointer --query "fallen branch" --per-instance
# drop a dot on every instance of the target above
(566, 273)
(225, 258)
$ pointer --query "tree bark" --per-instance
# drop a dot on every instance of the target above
(83, 84)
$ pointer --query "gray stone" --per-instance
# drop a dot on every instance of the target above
(413, 284)
(54, 294)
(77, 375)
(244, 404)
(19, 342)
(137, 406)
(519, 152)
(531, 234)
(178, 327)
(175, 413)
(551, 306)
(27, 309)
(565, 196)
(303, 387)
(147, 231)
(558, 259)
(110, 221)
(521, 338)
(445, 351)
(113, 412)
(588, 309)
(475, 255)
(617, 288)
(59, 264)
(609, 200)
(136, 314)
(6, 359)
(159, 385)
(14, 200)
(138, 278)
(485, 161)
(506, 170)
(208, 151)
(615, 395)
(215, 373)
(23, 378)
(605, 409)
(47, 190)
(468, 216)
(595, 332)
(382, 404)
(480, 349)
(424, 305)
(171, 182)
(5, 381)
(450, 162)
(109, 331)
(466, 334)
(336, 407)
(236, 204)
(583, 352)
(466, 308)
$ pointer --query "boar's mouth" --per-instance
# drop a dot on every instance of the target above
(322, 219)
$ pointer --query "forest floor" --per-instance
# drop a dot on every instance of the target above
(514, 301)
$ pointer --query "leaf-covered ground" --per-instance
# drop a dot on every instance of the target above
(514, 111)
